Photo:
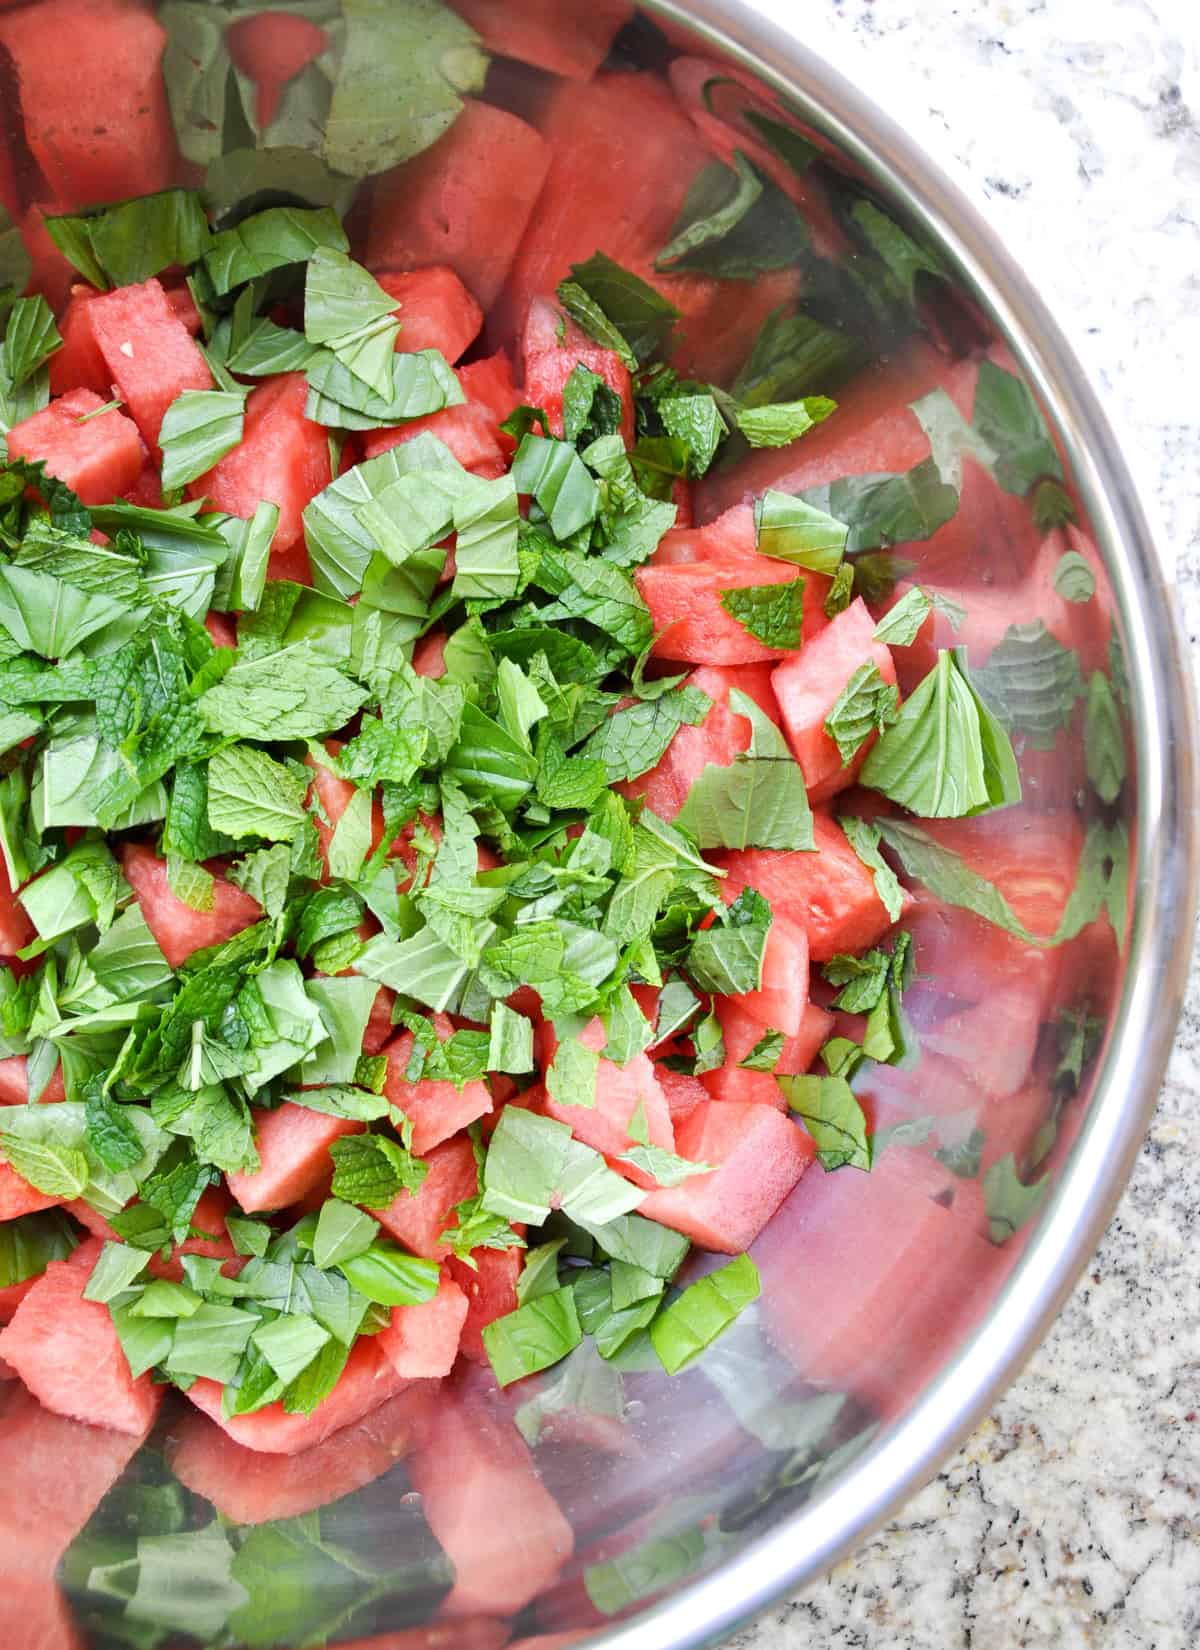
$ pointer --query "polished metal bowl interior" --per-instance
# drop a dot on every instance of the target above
(738, 1508)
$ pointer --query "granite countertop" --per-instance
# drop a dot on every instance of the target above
(1072, 1517)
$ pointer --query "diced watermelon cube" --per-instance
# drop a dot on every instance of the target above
(829, 893)
(379, 1021)
(98, 457)
(16, 930)
(995, 1040)
(496, 1521)
(79, 363)
(435, 310)
(683, 1093)
(18, 1197)
(249, 1487)
(464, 202)
(684, 599)
(209, 1218)
(71, 1468)
(757, 1154)
(14, 1083)
(743, 1087)
(491, 1290)
(421, 1342)
(149, 353)
(799, 1052)
(66, 1351)
(532, 31)
(725, 539)
(178, 929)
(429, 655)
(551, 348)
(13, 1294)
(418, 1219)
(367, 1381)
(467, 429)
(96, 137)
(780, 1001)
(808, 685)
(293, 1148)
(272, 47)
(620, 1090)
(283, 458)
(489, 384)
(436, 1109)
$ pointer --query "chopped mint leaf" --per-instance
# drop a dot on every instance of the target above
(633, 739)
(292, 694)
(1009, 1201)
(864, 838)
(1008, 418)
(784, 422)
(705, 1310)
(639, 315)
(590, 409)
(841, 591)
(759, 800)
(249, 1237)
(348, 312)
(772, 613)
(665, 1167)
(832, 1115)
(536, 1335)
(727, 958)
(945, 756)
(792, 530)
(50, 1167)
(389, 1276)
(118, 1267)
(210, 1343)
(867, 704)
(198, 429)
(554, 473)
(372, 1169)
(764, 1056)
(270, 240)
(696, 421)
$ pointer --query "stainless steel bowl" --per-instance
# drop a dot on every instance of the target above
(739, 1522)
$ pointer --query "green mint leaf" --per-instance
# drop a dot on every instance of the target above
(795, 356)
(289, 1344)
(111, 1137)
(249, 1237)
(250, 794)
(30, 1242)
(633, 739)
(556, 476)
(54, 1169)
(587, 1386)
(841, 591)
(210, 1344)
(665, 1167)
(1007, 417)
(727, 960)
(1008, 1200)
(348, 312)
(510, 1041)
(372, 1169)
(696, 421)
(389, 1276)
(118, 1267)
(1052, 505)
(947, 875)
(759, 800)
(198, 429)
(590, 409)
(270, 240)
(792, 530)
(536, 1335)
(525, 1161)
(705, 1310)
(881, 510)
(736, 224)
(293, 694)
(781, 424)
(420, 382)
(764, 1056)
(571, 1075)
(126, 244)
(832, 1115)
(631, 308)
(864, 838)
(867, 704)
(342, 1233)
(486, 520)
(945, 756)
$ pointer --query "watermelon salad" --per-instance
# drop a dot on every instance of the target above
(561, 738)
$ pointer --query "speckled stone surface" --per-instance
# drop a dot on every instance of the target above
(1072, 1517)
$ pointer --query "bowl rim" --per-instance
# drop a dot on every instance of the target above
(808, 1541)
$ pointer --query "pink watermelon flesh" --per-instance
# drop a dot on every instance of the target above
(79, 363)
(96, 136)
(619, 1092)
(757, 1157)
(741, 1031)
(418, 1219)
(463, 203)
(683, 1094)
(489, 384)
(533, 32)
(14, 1083)
(468, 429)
(548, 1641)
(807, 687)
(99, 459)
(283, 458)
(252, 1488)
(16, 930)
(736, 1083)
(726, 539)
(178, 929)
(66, 1351)
(149, 353)
(436, 1109)
(272, 48)
(34, 1613)
(491, 1290)
(435, 310)
(421, 1342)
(481, 1495)
(779, 1003)
(718, 739)
(367, 1381)
(830, 894)
(293, 1148)
(552, 346)
(70, 1468)
(18, 1197)
(12, 1295)
(691, 625)
(994, 1041)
